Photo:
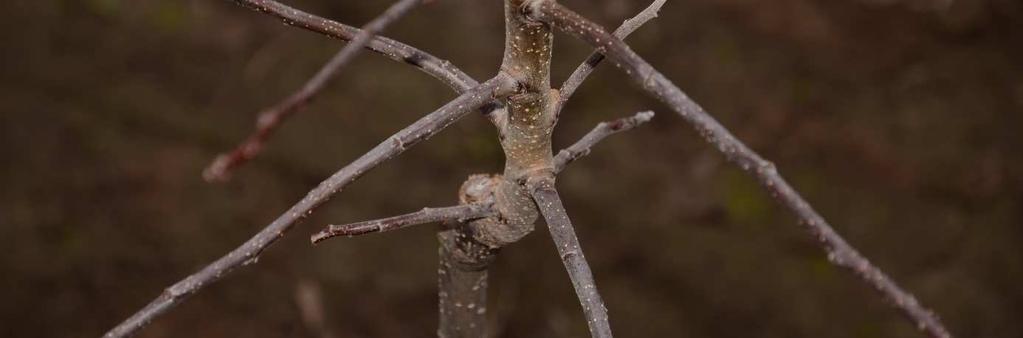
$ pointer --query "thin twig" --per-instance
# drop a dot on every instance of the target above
(563, 234)
(397, 51)
(439, 68)
(603, 130)
(271, 118)
(586, 68)
(426, 215)
(249, 252)
(839, 252)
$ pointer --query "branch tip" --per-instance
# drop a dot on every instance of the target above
(586, 68)
(599, 133)
(271, 118)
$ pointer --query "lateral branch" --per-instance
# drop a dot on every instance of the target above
(654, 83)
(249, 252)
(586, 68)
(599, 133)
(563, 234)
(467, 212)
(459, 213)
(272, 117)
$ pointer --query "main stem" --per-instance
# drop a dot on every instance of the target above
(462, 281)
(526, 135)
(526, 139)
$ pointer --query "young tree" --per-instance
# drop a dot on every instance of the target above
(497, 210)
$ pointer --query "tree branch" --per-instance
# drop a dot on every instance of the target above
(440, 69)
(271, 118)
(462, 284)
(586, 68)
(249, 252)
(458, 213)
(467, 212)
(603, 130)
(463, 267)
(563, 234)
(395, 50)
(839, 252)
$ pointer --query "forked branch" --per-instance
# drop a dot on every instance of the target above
(563, 234)
(272, 117)
(839, 252)
(467, 212)
(249, 252)
(459, 213)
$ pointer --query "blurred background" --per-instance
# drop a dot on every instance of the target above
(899, 120)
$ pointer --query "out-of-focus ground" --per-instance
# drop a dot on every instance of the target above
(901, 123)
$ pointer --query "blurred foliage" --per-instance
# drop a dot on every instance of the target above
(900, 121)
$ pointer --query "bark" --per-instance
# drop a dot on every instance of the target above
(394, 50)
(653, 82)
(462, 281)
(464, 259)
(271, 118)
(439, 68)
(498, 210)
(249, 252)
(603, 130)
(461, 213)
(526, 134)
(586, 68)
(565, 240)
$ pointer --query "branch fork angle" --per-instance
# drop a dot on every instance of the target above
(497, 210)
